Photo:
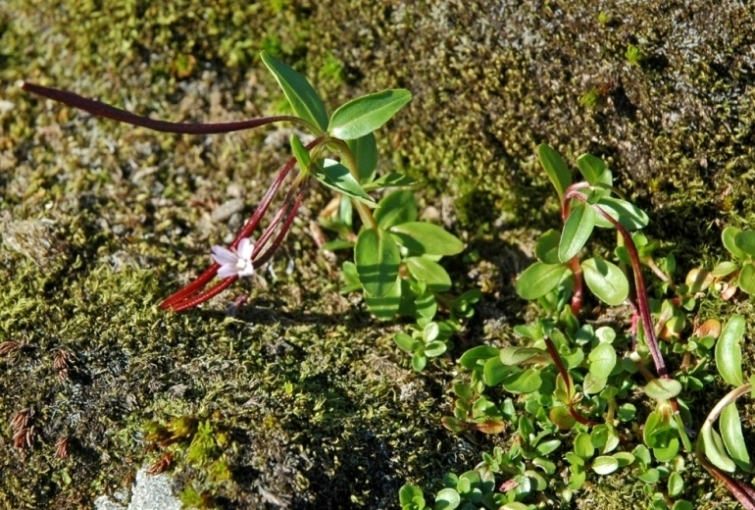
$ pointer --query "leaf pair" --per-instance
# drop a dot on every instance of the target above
(352, 120)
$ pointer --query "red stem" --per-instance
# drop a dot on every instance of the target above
(567, 380)
(204, 296)
(101, 109)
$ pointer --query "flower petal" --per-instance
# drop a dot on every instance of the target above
(247, 271)
(245, 249)
(223, 255)
(227, 270)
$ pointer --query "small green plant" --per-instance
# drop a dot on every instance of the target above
(731, 275)
(396, 255)
(634, 55)
(586, 400)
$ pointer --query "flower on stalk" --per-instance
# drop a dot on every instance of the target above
(236, 262)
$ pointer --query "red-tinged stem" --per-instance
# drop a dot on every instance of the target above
(191, 288)
(567, 380)
(268, 232)
(204, 296)
(639, 286)
(576, 299)
(284, 229)
(101, 109)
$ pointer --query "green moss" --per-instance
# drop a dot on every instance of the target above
(100, 221)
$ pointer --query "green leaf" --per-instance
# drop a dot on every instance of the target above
(336, 176)
(523, 382)
(539, 279)
(728, 238)
(606, 281)
(714, 449)
(724, 268)
(577, 480)
(411, 495)
(594, 170)
(425, 238)
(745, 241)
(495, 372)
(546, 248)
(432, 273)
(517, 355)
(729, 352)
(385, 307)
(682, 504)
(576, 232)
(547, 447)
(663, 389)
(592, 385)
(377, 259)
(419, 361)
(365, 153)
(301, 96)
(624, 458)
(602, 361)
(364, 115)
(605, 465)
(668, 452)
(300, 153)
(471, 359)
(556, 169)
(395, 208)
(406, 342)
(583, 446)
(562, 418)
(731, 433)
(447, 499)
(627, 214)
(650, 476)
(746, 280)
(391, 180)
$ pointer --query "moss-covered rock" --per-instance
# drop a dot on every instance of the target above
(100, 220)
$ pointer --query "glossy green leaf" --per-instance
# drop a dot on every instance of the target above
(539, 279)
(406, 342)
(425, 238)
(425, 270)
(562, 418)
(583, 446)
(377, 258)
(650, 476)
(391, 180)
(395, 208)
(337, 177)
(592, 385)
(576, 232)
(577, 480)
(365, 153)
(474, 358)
(745, 241)
(546, 248)
(746, 280)
(605, 465)
(447, 499)
(556, 168)
(624, 458)
(364, 115)
(675, 485)
(729, 352)
(300, 153)
(731, 433)
(668, 452)
(606, 281)
(728, 238)
(724, 268)
(419, 361)
(495, 372)
(715, 450)
(682, 504)
(627, 214)
(526, 381)
(514, 355)
(387, 306)
(410, 495)
(663, 389)
(546, 447)
(594, 170)
(602, 360)
(301, 96)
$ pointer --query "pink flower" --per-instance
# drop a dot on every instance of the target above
(236, 262)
